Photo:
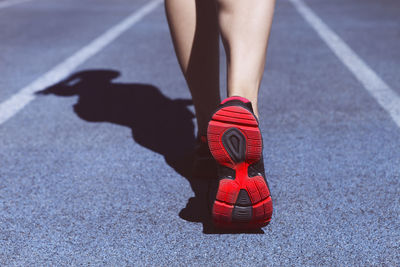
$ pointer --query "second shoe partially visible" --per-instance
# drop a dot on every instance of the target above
(242, 198)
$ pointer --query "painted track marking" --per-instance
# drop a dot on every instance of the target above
(388, 99)
(8, 3)
(23, 97)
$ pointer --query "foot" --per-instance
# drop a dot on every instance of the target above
(242, 197)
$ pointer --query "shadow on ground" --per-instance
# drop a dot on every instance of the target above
(158, 123)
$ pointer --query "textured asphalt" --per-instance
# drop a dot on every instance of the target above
(91, 171)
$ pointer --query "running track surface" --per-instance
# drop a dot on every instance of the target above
(90, 169)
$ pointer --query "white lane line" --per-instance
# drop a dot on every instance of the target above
(8, 3)
(19, 100)
(383, 94)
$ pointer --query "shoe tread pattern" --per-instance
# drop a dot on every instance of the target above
(235, 142)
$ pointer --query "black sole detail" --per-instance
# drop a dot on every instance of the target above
(235, 144)
(243, 199)
(242, 214)
(257, 168)
(226, 173)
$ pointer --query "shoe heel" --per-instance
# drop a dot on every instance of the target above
(233, 136)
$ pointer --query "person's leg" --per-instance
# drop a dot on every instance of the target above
(245, 27)
(241, 197)
(194, 30)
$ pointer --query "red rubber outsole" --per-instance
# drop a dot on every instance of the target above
(240, 119)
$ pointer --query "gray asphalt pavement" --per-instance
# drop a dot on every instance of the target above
(91, 171)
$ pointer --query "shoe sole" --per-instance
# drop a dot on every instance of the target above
(235, 142)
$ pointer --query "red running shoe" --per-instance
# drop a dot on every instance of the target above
(242, 198)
